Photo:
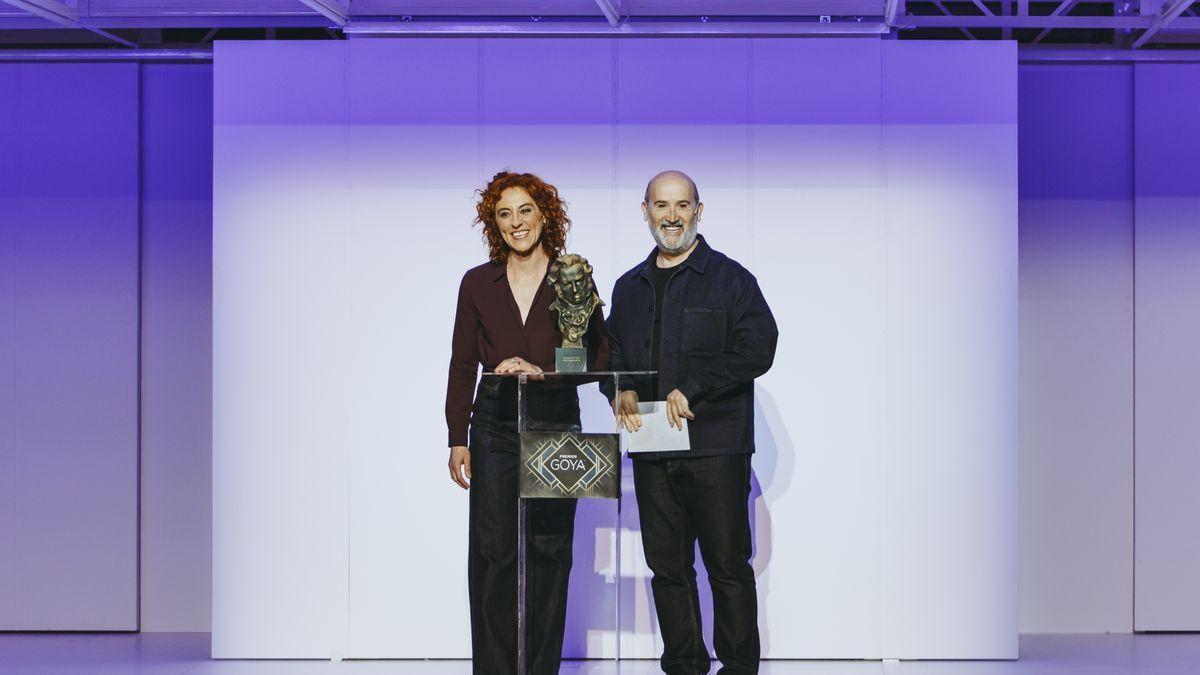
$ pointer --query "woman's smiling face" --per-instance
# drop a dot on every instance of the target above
(520, 220)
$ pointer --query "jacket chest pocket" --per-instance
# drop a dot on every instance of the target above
(703, 329)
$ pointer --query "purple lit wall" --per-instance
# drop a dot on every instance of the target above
(1076, 153)
(101, 164)
(176, 150)
(1167, 390)
(69, 347)
(1110, 213)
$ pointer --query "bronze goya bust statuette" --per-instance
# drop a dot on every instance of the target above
(575, 298)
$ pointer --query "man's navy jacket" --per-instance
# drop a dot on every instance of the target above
(718, 334)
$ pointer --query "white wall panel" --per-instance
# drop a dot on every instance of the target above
(281, 332)
(817, 239)
(176, 466)
(1167, 273)
(950, 415)
(884, 496)
(414, 145)
(68, 347)
(680, 105)
(1076, 367)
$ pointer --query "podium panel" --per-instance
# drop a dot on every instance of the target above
(560, 460)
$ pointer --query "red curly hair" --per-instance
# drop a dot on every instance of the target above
(545, 195)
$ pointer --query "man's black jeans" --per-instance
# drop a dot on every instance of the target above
(704, 498)
(492, 552)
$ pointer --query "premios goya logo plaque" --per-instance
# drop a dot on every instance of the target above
(570, 464)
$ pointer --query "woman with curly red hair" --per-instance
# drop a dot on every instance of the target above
(504, 323)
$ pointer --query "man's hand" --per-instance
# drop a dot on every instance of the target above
(625, 407)
(460, 463)
(677, 409)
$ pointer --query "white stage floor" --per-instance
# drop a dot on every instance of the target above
(180, 653)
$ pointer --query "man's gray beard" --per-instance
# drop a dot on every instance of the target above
(685, 241)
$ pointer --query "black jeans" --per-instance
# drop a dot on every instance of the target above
(492, 552)
(681, 501)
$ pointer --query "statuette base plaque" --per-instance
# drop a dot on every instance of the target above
(570, 360)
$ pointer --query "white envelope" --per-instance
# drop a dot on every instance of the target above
(656, 434)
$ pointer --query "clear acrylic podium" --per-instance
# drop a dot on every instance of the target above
(568, 453)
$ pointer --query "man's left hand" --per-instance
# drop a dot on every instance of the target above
(677, 409)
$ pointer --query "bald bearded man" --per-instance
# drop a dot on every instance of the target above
(699, 319)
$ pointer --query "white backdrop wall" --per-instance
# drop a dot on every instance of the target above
(870, 185)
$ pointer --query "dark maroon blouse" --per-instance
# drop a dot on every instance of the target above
(488, 329)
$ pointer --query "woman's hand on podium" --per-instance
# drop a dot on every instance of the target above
(625, 407)
(460, 463)
(515, 366)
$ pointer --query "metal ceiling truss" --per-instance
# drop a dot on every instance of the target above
(1131, 24)
(62, 14)
(50, 10)
(333, 10)
(945, 12)
(1064, 6)
(627, 28)
(611, 9)
(1167, 13)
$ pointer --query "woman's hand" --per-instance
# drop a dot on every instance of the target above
(625, 407)
(516, 365)
(460, 463)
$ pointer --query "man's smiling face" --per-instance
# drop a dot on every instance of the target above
(672, 212)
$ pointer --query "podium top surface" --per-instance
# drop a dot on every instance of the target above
(574, 379)
(589, 373)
